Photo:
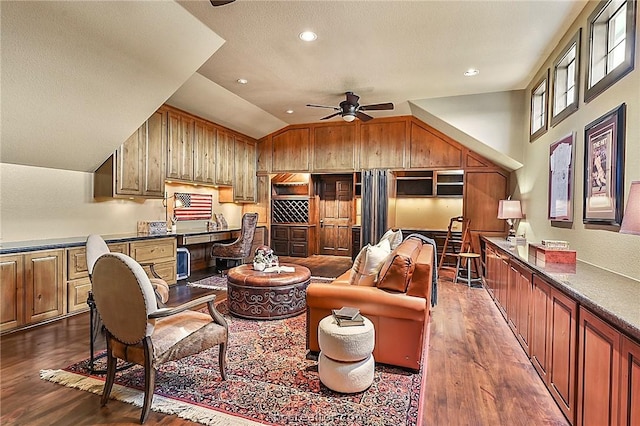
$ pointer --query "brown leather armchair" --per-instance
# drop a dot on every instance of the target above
(241, 247)
(139, 332)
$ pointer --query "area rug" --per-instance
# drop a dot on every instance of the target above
(269, 381)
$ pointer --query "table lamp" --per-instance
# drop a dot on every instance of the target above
(510, 209)
(631, 218)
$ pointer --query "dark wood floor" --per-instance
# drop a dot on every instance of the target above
(477, 373)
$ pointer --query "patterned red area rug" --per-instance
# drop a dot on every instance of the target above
(269, 381)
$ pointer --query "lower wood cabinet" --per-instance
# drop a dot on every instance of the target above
(43, 285)
(160, 252)
(77, 294)
(292, 240)
(630, 389)
(11, 292)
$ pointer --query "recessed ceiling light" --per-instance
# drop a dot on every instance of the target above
(289, 111)
(308, 36)
(242, 81)
(471, 72)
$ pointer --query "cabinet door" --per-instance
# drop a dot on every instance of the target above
(43, 283)
(204, 153)
(562, 351)
(77, 293)
(523, 301)
(630, 390)
(430, 150)
(482, 192)
(598, 371)
(161, 252)
(129, 164)
(180, 147)
(290, 151)
(382, 144)
(334, 148)
(250, 192)
(240, 170)
(539, 326)
(225, 158)
(11, 292)
(154, 155)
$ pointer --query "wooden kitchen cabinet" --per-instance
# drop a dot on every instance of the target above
(137, 168)
(291, 150)
(295, 241)
(204, 153)
(518, 302)
(225, 157)
(540, 322)
(334, 148)
(630, 383)
(244, 181)
(161, 252)
(44, 296)
(382, 144)
(180, 146)
(431, 149)
(11, 292)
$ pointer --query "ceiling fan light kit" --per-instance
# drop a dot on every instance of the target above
(350, 109)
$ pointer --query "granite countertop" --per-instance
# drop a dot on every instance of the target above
(613, 297)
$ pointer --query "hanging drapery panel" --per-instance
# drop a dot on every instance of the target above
(374, 205)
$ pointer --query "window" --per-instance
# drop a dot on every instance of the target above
(565, 81)
(539, 107)
(612, 29)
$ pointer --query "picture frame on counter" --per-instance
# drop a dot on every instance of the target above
(604, 140)
(561, 158)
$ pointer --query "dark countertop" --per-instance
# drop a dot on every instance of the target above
(613, 297)
(56, 243)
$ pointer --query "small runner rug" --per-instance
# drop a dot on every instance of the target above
(269, 381)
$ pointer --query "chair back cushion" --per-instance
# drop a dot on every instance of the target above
(124, 297)
(95, 248)
(249, 222)
(397, 270)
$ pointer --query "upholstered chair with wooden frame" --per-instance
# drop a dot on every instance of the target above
(140, 332)
(96, 247)
(241, 247)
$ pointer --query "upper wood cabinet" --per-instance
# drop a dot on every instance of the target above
(225, 157)
(429, 149)
(382, 144)
(334, 148)
(244, 185)
(290, 151)
(263, 154)
(180, 143)
(204, 153)
(137, 168)
(482, 192)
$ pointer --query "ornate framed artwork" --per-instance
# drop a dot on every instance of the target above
(561, 179)
(604, 168)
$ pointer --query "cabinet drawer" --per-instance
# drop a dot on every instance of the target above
(219, 236)
(280, 233)
(77, 292)
(77, 259)
(155, 251)
(298, 234)
(298, 249)
(168, 271)
(196, 239)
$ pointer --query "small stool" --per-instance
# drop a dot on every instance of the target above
(468, 258)
(346, 363)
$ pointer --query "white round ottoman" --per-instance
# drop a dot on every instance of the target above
(345, 363)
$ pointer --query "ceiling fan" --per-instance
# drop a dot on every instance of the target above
(350, 109)
(221, 2)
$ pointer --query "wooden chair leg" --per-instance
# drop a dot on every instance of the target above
(222, 360)
(111, 374)
(149, 379)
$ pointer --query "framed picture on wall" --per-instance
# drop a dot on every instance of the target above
(604, 168)
(561, 179)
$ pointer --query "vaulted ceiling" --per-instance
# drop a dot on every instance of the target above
(78, 78)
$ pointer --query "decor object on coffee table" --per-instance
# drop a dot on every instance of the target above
(346, 362)
(141, 333)
(267, 295)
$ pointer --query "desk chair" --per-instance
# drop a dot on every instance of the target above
(237, 250)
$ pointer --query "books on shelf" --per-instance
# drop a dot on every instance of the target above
(348, 317)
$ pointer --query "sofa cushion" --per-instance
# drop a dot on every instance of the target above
(368, 263)
(394, 238)
(397, 270)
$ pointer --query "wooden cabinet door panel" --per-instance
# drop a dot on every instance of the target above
(598, 371)
(630, 383)
(168, 271)
(240, 170)
(44, 289)
(482, 192)
(539, 326)
(299, 233)
(251, 184)
(280, 247)
(429, 150)
(159, 250)
(382, 144)
(225, 147)
(290, 151)
(173, 146)
(11, 292)
(280, 233)
(204, 152)
(77, 293)
(154, 154)
(129, 164)
(180, 146)
(298, 249)
(334, 148)
(77, 259)
(562, 350)
(523, 306)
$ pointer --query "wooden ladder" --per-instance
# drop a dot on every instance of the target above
(453, 244)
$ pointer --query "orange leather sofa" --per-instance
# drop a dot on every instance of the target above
(398, 305)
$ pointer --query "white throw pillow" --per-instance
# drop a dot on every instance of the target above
(394, 238)
(368, 263)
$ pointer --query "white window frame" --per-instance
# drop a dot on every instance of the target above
(604, 47)
(539, 107)
(566, 74)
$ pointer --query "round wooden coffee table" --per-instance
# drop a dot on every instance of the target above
(267, 295)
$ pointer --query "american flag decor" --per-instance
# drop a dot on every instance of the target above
(194, 206)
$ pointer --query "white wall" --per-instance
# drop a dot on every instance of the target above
(40, 203)
(602, 247)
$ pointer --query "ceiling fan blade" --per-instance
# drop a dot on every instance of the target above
(363, 117)
(221, 2)
(352, 98)
(377, 107)
(323, 106)
(330, 116)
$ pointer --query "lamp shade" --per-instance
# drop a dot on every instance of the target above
(509, 209)
(631, 218)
